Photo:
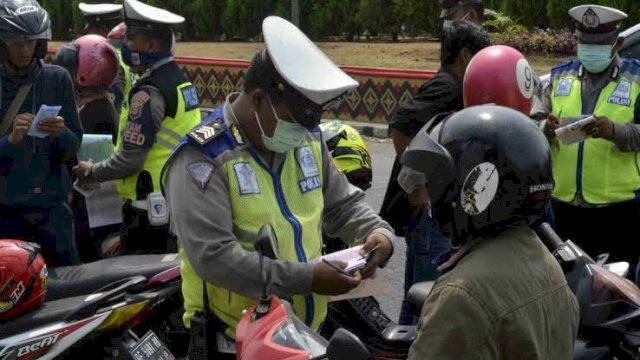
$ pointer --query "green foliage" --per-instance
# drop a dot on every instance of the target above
(212, 20)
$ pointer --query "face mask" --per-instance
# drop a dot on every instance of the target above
(595, 58)
(142, 58)
(287, 135)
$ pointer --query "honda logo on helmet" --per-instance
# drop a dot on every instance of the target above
(26, 9)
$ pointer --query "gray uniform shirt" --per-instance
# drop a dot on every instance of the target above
(626, 136)
(200, 205)
(147, 111)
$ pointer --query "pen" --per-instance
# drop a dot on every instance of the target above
(368, 253)
(335, 267)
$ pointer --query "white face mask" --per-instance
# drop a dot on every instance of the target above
(285, 137)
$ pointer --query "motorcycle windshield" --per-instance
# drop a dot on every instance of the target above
(612, 296)
(294, 334)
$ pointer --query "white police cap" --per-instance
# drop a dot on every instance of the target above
(136, 11)
(99, 9)
(302, 64)
(596, 23)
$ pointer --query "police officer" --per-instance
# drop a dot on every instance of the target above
(32, 165)
(164, 107)
(597, 180)
(260, 159)
(469, 10)
(99, 19)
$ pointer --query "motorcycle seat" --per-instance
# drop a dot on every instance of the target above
(47, 314)
(417, 296)
(69, 281)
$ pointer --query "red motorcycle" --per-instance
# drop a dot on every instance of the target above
(270, 330)
(128, 306)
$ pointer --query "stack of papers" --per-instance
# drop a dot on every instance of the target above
(369, 287)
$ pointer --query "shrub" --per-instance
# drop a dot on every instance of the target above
(539, 42)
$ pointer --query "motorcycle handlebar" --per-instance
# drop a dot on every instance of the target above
(549, 237)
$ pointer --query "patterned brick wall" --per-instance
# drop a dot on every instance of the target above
(380, 92)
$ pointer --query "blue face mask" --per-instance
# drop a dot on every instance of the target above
(595, 58)
(142, 58)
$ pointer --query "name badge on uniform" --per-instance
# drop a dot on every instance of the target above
(190, 96)
(308, 167)
(564, 87)
(247, 179)
(622, 95)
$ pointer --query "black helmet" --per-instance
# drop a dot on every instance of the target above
(489, 168)
(22, 20)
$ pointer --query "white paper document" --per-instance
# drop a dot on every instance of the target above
(369, 287)
(571, 130)
(104, 206)
(45, 112)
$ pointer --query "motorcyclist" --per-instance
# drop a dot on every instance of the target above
(93, 65)
(501, 294)
(34, 178)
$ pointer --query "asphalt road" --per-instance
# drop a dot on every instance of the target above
(383, 154)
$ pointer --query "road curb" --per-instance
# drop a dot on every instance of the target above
(380, 131)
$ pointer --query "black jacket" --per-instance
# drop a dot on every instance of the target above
(33, 173)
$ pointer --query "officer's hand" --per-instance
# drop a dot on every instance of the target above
(21, 125)
(52, 126)
(81, 169)
(329, 281)
(379, 256)
(602, 128)
(418, 199)
(550, 127)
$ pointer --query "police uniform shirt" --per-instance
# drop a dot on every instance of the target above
(196, 185)
(146, 113)
(441, 94)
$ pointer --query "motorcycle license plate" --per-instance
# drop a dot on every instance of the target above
(150, 347)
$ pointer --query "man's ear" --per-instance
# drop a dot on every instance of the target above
(257, 98)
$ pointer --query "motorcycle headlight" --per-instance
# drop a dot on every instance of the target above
(294, 334)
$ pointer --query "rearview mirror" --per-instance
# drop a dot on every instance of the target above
(344, 345)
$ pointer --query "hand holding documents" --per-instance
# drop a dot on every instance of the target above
(355, 261)
(45, 112)
(572, 129)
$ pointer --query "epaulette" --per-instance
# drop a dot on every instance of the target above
(207, 132)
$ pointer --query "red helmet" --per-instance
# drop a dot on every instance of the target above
(23, 278)
(500, 75)
(91, 60)
(116, 35)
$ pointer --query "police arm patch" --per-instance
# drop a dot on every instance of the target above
(137, 104)
(201, 173)
(190, 96)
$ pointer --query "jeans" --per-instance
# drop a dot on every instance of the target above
(425, 242)
(49, 226)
